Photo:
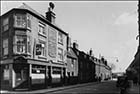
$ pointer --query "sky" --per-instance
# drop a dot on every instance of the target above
(109, 28)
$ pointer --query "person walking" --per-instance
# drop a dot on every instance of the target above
(124, 85)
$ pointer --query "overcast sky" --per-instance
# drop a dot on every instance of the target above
(108, 27)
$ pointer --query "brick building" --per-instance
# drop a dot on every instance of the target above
(33, 49)
(86, 66)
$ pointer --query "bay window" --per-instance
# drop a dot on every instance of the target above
(20, 20)
(22, 44)
(5, 24)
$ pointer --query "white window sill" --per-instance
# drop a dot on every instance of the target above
(43, 57)
(42, 34)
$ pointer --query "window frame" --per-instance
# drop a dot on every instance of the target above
(5, 46)
(60, 38)
(22, 20)
(41, 29)
(43, 49)
(60, 54)
(5, 24)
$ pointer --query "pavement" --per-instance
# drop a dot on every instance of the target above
(46, 90)
(132, 90)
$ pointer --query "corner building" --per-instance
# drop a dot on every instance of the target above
(33, 50)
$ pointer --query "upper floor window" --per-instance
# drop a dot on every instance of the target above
(28, 44)
(40, 48)
(5, 47)
(60, 54)
(28, 21)
(42, 29)
(60, 37)
(21, 43)
(5, 24)
(20, 20)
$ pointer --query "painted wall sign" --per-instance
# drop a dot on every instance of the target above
(52, 42)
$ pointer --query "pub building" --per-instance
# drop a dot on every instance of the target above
(33, 49)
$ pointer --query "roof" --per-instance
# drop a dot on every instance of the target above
(71, 54)
(29, 9)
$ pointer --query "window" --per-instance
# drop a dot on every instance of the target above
(72, 63)
(20, 20)
(28, 44)
(42, 29)
(42, 48)
(60, 54)
(21, 44)
(5, 24)
(5, 47)
(60, 37)
(28, 22)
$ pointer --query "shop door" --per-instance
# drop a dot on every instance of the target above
(21, 76)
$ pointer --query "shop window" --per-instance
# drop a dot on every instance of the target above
(60, 38)
(5, 24)
(42, 29)
(5, 47)
(60, 54)
(20, 20)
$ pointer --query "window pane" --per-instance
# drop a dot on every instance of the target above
(5, 47)
(20, 20)
(60, 37)
(21, 44)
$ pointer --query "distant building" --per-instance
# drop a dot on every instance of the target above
(86, 67)
(102, 69)
(33, 49)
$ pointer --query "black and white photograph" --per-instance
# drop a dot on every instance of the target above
(69, 47)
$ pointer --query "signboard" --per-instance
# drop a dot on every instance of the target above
(52, 43)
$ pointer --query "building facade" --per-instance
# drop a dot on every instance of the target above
(86, 66)
(33, 49)
(103, 71)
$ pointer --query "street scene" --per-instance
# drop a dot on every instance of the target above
(71, 47)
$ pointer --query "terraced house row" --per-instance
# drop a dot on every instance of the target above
(35, 52)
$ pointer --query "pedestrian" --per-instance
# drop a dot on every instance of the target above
(135, 80)
(124, 85)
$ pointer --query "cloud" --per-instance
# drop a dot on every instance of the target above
(127, 18)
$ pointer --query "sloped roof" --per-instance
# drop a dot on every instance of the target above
(71, 54)
(25, 6)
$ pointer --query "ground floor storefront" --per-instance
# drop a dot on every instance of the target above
(24, 74)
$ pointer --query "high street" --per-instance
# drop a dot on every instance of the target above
(106, 87)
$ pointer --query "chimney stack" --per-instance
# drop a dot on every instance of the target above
(75, 45)
(50, 15)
